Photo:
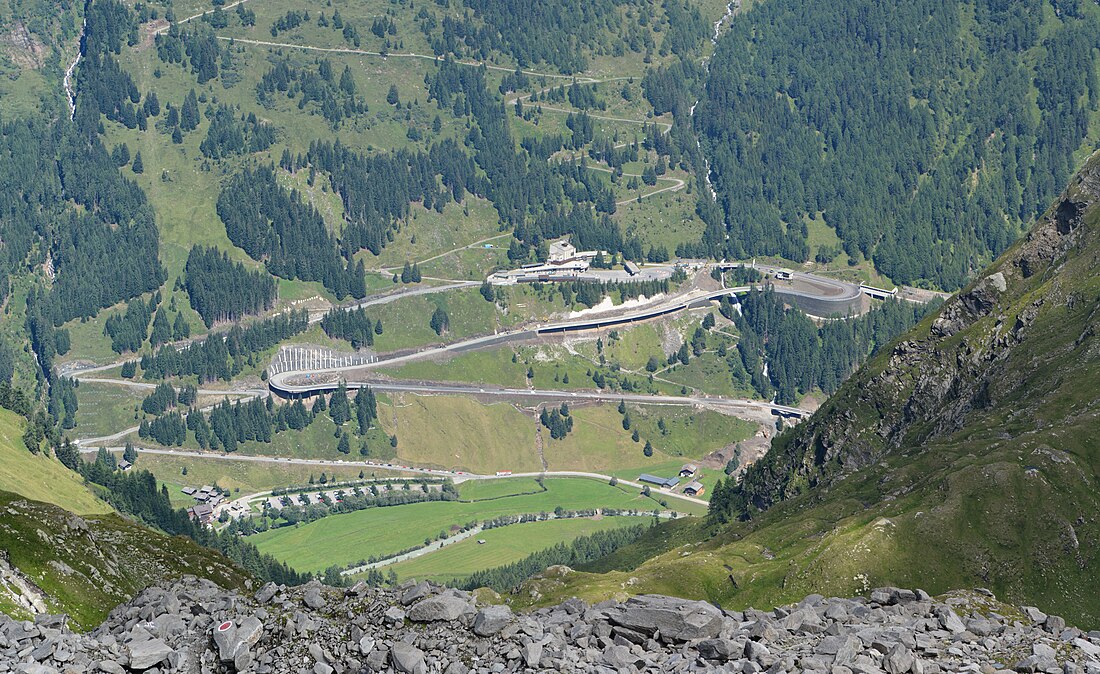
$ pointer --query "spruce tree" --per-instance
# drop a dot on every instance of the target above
(440, 321)
(338, 407)
(189, 113)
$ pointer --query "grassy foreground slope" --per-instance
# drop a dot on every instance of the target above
(40, 477)
(964, 456)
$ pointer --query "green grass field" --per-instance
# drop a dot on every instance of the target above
(427, 234)
(406, 322)
(460, 433)
(493, 366)
(599, 443)
(502, 545)
(479, 490)
(346, 539)
(708, 373)
(554, 366)
(472, 264)
(106, 408)
(40, 477)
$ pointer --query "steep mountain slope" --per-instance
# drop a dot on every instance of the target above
(965, 456)
(40, 477)
(928, 134)
(53, 561)
(1013, 358)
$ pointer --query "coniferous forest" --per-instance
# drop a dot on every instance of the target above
(223, 290)
(928, 158)
(274, 224)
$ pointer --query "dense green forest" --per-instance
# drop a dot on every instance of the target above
(223, 290)
(275, 225)
(353, 326)
(925, 132)
(335, 97)
(541, 199)
(800, 355)
(69, 213)
(562, 34)
(229, 424)
(223, 355)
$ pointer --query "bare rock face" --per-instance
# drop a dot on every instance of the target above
(894, 631)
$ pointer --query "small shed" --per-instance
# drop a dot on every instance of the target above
(631, 268)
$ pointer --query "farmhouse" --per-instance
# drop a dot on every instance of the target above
(124, 465)
(664, 482)
(688, 470)
(201, 512)
(694, 489)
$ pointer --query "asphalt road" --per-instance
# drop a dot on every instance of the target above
(818, 288)
(456, 476)
(733, 404)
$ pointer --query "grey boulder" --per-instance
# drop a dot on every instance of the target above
(407, 659)
(447, 606)
(313, 598)
(720, 649)
(491, 620)
(674, 619)
(145, 654)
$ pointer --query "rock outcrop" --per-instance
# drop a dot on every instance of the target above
(193, 626)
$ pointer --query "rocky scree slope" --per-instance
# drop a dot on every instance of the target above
(191, 625)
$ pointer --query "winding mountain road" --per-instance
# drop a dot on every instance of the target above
(409, 55)
(838, 296)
